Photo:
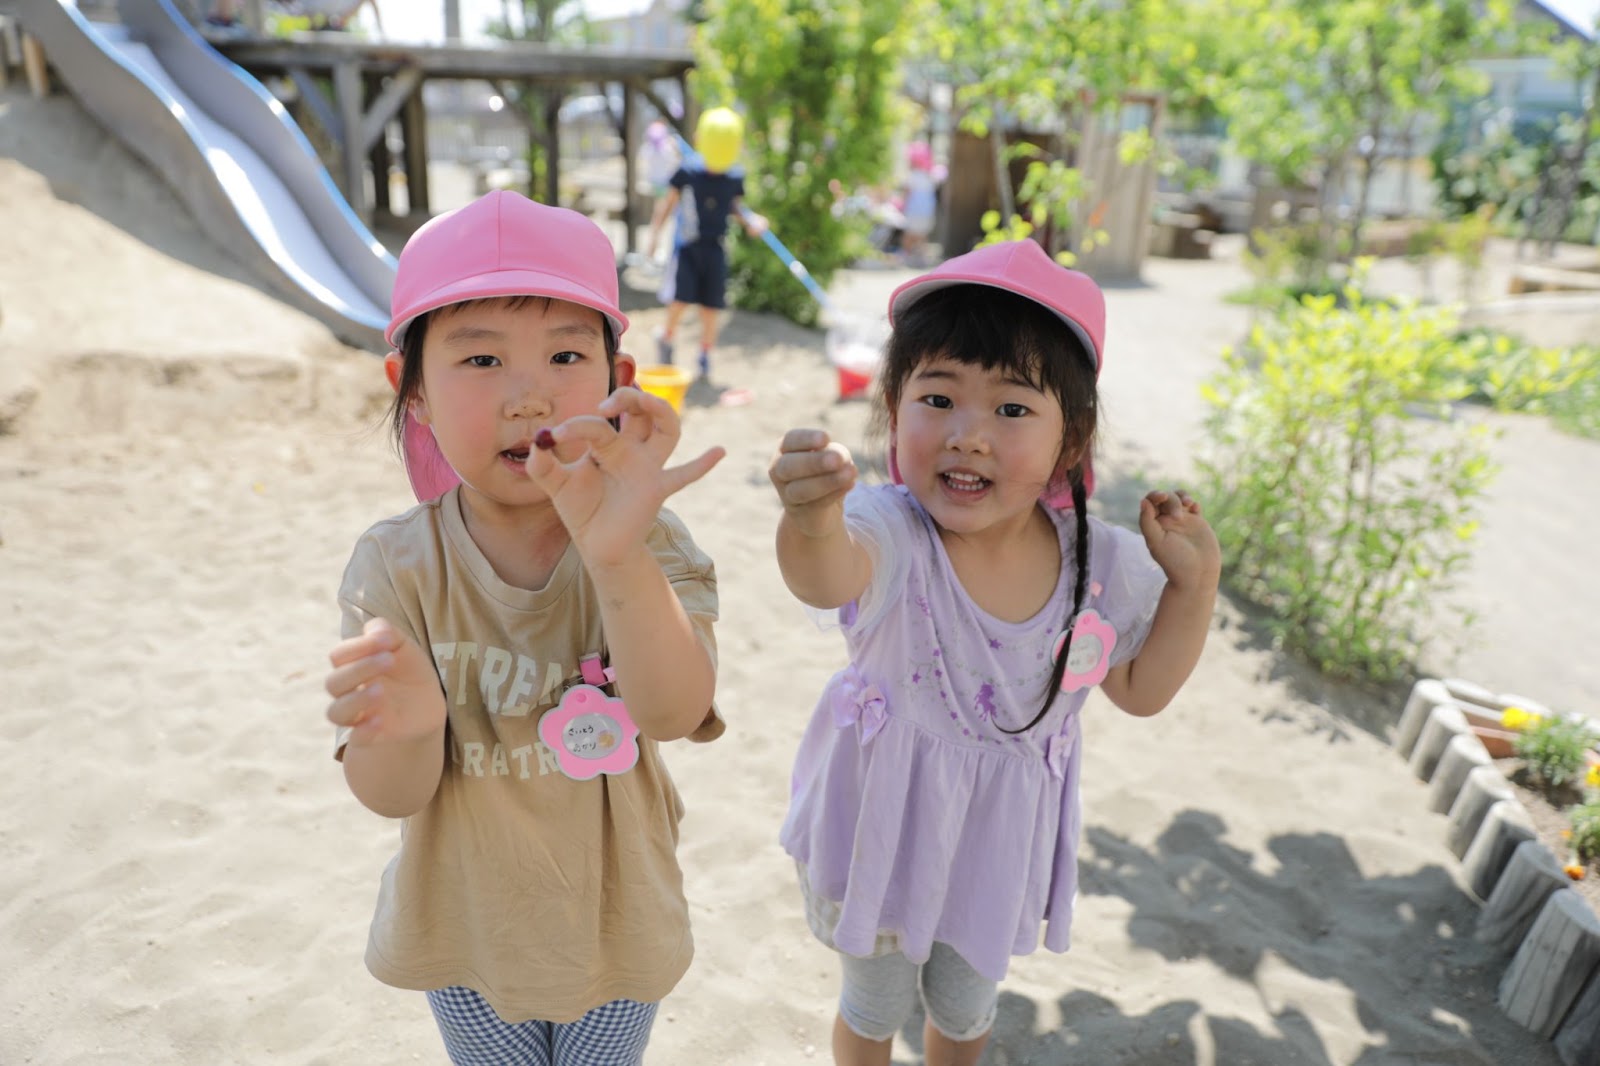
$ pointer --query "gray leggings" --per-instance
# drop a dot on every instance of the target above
(879, 994)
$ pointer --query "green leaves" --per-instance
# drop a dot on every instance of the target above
(1338, 507)
(813, 80)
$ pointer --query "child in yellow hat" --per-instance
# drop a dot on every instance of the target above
(715, 185)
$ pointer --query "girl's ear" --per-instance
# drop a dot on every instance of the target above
(623, 369)
(393, 366)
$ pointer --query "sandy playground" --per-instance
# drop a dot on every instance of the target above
(184, 465)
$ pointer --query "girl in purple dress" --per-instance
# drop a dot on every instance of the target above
(934, 813)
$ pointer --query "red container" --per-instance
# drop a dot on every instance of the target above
(852, 382)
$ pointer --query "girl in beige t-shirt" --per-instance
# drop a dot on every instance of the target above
(517, 645)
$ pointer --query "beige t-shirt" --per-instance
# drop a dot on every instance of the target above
(546, 895)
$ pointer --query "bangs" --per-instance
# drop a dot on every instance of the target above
(992, 329)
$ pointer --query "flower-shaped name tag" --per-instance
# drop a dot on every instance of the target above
(590, 732)
(1089, 659)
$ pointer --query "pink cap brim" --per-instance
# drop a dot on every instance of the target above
(508, 283)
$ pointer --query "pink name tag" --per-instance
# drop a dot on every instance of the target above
(590, 732)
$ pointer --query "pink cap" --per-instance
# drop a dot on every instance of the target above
(919, 156)
(504, 244)
(1024, 268)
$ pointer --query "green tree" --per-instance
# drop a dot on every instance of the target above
(1053, 66)
(1319, 90)
(813, 80)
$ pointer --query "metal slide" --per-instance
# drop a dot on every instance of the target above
(228, 147)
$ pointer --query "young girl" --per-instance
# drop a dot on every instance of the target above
(536, 898)
(934, 811)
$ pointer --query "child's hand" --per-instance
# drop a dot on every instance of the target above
(1180, 540)
(385, 686)
(608, 485)
(812, 477)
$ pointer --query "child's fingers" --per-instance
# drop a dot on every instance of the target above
(797, 466)
(584, 433)
(378, 635)
(643, 414)
(810, 490)
(353, 675)
(688, 473)
(354, 708)
(803, 440)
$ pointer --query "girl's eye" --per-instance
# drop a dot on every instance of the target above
(1013, 410)
(566, 358)
(482, 360)
(941, 402)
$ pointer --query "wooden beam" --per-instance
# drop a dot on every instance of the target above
(353, 168)
(522, 61)
(666, 113)
(314, 98)
(388, 103)
(379, 160)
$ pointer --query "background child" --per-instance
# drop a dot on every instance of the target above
(715, 188)
(536, 897)
(934, 810)
(921, 203)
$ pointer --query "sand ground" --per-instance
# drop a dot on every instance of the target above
(184, 464)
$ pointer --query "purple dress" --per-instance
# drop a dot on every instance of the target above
(912, 817)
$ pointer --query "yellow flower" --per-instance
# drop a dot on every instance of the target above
(1515, 718)
(1592, 778)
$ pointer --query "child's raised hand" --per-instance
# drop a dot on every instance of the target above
(608, 484)
(1180, 539)
(812, 476)
(384, 686)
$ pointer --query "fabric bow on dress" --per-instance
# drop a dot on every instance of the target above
(861, 703)
(1056, 750)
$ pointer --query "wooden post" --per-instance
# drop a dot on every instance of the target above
(414, 122)
(1462, 755)
(629, 177)
(34, 66)
(352, 164)
(379, 159)
(1484, 787)
(1578, 1039)
(1532, 876)
(1505, 826)
(552, 147)
(1552, 965)
(1444, 721)
(1425, 696)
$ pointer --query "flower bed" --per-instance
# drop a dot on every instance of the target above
(1478, 753)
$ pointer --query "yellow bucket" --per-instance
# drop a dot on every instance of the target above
(667, 382)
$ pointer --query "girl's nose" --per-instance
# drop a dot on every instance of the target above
(527, 403)
(967, 435)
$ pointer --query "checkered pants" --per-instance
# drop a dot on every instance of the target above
(613, 1034)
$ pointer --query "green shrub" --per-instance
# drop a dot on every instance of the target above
(1585, 821)
(813, 81)
(1337, 506)
(1555, 750)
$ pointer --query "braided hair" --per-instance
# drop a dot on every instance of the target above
(991, 328)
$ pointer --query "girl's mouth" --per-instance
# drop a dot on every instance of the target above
(962, 483)
(516, 455)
